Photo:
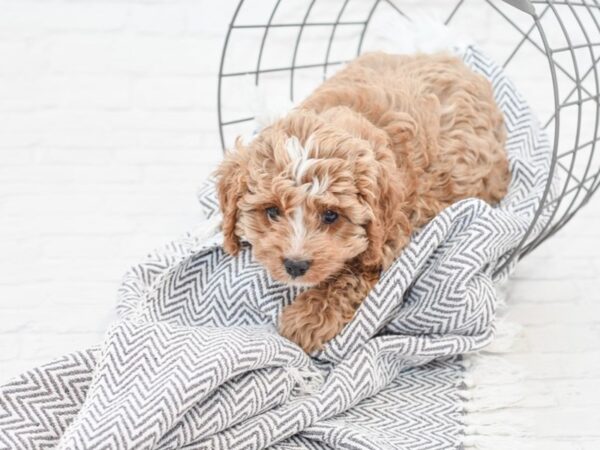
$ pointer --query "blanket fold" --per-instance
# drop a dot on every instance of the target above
(195, 360)
(154, 367)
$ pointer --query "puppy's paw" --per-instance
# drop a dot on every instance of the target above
(309, 321)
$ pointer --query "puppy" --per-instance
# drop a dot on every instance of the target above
(329, 195)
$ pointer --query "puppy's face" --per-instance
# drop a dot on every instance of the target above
(303, 203)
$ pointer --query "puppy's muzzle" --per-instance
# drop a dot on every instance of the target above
(296, 268)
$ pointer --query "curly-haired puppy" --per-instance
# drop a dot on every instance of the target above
(329, 195)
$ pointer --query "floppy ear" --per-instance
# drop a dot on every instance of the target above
(368, 180)
(372, 258)
(389, 228)
(383, 193)
(231, 184)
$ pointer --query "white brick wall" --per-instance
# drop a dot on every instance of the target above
(107, 125)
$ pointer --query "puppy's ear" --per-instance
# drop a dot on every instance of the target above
(231, 185)
(368, 176)
(383, 193)
(372, 258)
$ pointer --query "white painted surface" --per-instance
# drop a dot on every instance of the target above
(108, 124)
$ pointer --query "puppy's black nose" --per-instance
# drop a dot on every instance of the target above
(296, 268)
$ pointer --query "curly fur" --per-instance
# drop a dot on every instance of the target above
(387, 143)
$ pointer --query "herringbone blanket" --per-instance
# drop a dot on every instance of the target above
(195, 360)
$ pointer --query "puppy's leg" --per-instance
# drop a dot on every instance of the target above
(319, 314)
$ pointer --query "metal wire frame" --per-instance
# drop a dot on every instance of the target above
(579, 186)
(552, 206)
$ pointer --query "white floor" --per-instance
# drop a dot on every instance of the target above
(555, 296)
(107, 125)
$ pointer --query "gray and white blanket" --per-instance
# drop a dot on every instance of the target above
(195, 360)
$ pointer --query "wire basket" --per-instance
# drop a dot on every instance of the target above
(550, 48)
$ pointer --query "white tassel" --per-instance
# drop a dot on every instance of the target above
(266, 108)
(208, 228)
(488, 430)
(505, 336)
(496, 443)
(307, 381)
(424, 33)
(489, 370)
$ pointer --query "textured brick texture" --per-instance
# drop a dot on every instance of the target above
(107, 126)
(108, 121)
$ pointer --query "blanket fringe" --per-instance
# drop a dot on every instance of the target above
(490, 386)
(307, 381)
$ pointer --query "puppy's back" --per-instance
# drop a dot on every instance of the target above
(443, 122)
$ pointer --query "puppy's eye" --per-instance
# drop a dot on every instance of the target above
(329, 216)
(272, 212)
